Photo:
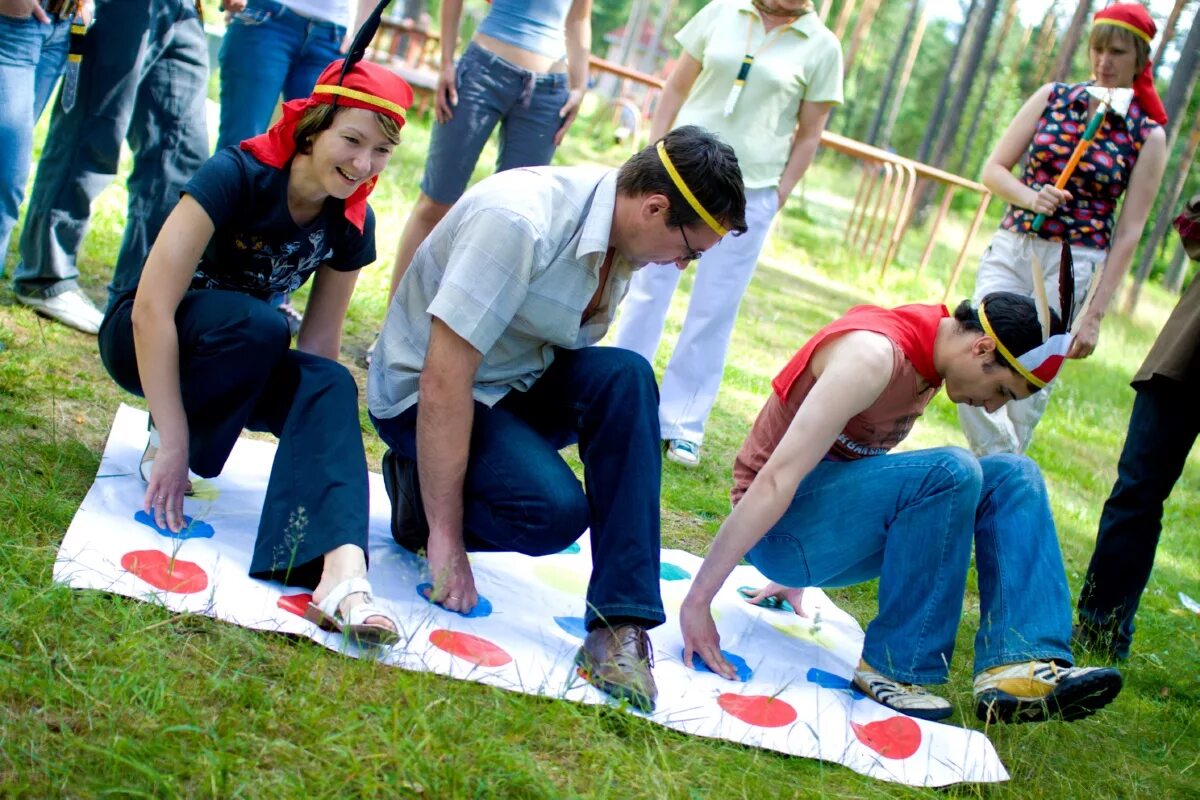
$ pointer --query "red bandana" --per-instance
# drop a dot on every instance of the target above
(367, 85)
(912, 327)
(1134, 18)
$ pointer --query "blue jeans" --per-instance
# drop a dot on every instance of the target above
(909, 520)
(491, 90)
(521, 496)
(268, 49)
(32, 55)
(1162, 430)
(143, 78)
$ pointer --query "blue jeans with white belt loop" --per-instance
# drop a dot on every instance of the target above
(909, 519)
(269, 50)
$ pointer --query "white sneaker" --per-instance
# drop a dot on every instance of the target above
(907, 698)
(72, 307)
(684, 452)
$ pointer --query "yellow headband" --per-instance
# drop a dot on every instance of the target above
(677, 179)
(1016, 364)
(362, 97)
(1141, 34)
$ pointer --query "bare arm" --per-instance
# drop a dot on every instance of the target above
(810, 121)
(446, 93)
(678, 86)
(362, 10)
(168, 271)
(321, 330)
(852, 371)
(997, 170)
(445, 414)
(1139, 199)
(578, 32)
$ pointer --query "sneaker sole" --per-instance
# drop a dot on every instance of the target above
(1077, 701)
(617, 691)
(683, 462)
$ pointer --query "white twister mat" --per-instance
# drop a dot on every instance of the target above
(796, 699)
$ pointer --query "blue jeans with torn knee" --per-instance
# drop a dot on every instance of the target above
(520, 495)
(909, 520)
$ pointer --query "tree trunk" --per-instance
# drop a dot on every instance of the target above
(939, 105)
(1070, 42)
(1168, 33)
(844, 19)
(1183, 81)
(1178, 269)
(898, 99)
(862, 26)
(889, 83)
(649, 62)
(965, 82)
(1167, 212)
(1043, 50)
(1010, 15)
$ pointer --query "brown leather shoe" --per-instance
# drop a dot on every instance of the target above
(618, 661)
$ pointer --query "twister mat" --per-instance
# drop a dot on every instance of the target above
(796, 697)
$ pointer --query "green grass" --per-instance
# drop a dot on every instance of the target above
(102, 695)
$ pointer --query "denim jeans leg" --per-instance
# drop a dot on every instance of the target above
(606, 400)
(168, 132)
(905, 518)
(321, 45)
(527, 131)
(1024, 603)
(80, 156)
(257, 51)
(1162, 431)
(32, 55)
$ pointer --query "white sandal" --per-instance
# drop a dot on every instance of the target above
(328, 617)
(146, 466)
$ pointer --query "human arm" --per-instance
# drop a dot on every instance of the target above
(165, 278)
(852, 372)
(362, 10)
(997, 170)
(445, 414)
(446, 93)
(1139, 199)
(321, 330)
(810, 121)
(578, 30)
(23, 9)
(670, 100)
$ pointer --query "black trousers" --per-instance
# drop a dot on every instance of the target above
(1162, 429)
(237, 370)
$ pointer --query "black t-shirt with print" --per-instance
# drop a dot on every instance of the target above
(257, 248)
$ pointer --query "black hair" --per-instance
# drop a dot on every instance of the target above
(1013, 318)
(707, 165)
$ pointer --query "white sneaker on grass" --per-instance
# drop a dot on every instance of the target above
(684, 452)
(1033, 691)
(907, 698)
(72, 307)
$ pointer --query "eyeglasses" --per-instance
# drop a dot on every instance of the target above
(692, 253)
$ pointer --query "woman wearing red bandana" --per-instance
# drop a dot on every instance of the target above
(1127, 157)
(200, 340)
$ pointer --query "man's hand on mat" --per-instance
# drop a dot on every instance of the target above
(166, 488)
(700, 638)
(450, 572)
(567, 114)
(774, 594)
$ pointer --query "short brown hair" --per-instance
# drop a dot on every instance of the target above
(320, 118)
(1104, 35)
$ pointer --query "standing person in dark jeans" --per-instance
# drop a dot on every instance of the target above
(485, 370)
(1162, 429)
(143, 79)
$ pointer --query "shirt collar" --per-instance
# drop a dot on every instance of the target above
(805, 24)
(597, 225)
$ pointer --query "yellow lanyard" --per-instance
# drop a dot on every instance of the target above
(735, 91)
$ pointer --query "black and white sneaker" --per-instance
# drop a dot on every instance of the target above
(1033, 691)
(907, 698)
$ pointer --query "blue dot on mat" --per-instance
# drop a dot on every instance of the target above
(483, 608)
(573, 625)
(670, 572)
(827, 680)
(739, 665)
(192, 529)
(570, 549)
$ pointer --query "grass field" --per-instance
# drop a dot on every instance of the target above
(100, 695)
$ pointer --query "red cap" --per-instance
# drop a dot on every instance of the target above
(366, 85)
(1134, 18)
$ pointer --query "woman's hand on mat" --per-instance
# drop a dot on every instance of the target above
(567, 114)
(774, 594)
(1048, 199)
(450, 571)
(166, 488)
(700, 638)
(446, 94)
(1084, 337)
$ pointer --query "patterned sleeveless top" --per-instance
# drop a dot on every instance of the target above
(1099, 180)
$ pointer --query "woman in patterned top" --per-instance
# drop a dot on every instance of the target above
(1128, 155)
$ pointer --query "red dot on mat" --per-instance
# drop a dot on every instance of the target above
(895, 737)
(470, 648)
(294, 603)
(758, 709)
(163, 572)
